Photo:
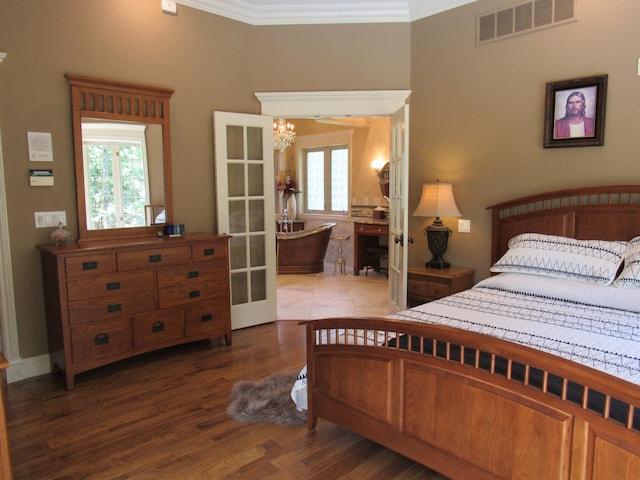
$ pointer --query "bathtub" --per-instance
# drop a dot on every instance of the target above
(303, 251)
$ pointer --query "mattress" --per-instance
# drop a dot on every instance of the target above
(597, 326)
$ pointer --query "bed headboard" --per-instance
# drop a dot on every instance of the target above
(604, 212)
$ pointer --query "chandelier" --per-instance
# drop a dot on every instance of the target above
(283, 134)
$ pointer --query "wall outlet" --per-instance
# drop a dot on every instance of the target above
(464, 226)
(50, 219)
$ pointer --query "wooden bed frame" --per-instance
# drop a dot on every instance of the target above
(477, 419)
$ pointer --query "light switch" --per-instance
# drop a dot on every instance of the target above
(50, 219)
(464, 226)
(168, 6)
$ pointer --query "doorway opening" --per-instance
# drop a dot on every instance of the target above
(354, 104)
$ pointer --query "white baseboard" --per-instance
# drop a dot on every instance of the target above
(27, 368)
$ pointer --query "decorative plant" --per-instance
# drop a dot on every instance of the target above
(285, 184)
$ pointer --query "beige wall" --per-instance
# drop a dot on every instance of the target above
(213, 63)
(476, 112)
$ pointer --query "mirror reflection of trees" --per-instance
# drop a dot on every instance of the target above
(117, 185)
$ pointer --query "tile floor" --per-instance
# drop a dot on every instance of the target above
(319, 295)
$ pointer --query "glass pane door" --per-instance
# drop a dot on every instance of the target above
(245, 200)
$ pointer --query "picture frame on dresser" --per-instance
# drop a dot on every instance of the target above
(575, 112)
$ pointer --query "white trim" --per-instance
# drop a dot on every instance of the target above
(9, 325)
(304, 12)
(27, 368)
(361, 103)
(3, 55)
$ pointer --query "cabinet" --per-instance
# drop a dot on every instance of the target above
(369, 243)
(428, 284)
(109, 300)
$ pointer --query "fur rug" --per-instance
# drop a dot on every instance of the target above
(267, 400)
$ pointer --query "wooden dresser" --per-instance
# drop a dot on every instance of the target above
(109, 300)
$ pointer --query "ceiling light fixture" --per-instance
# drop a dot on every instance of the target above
(283, 134)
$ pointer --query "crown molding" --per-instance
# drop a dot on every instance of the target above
(282, 12)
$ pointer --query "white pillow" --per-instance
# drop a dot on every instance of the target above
(590, 261)
(630, 276)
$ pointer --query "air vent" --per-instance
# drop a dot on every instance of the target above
(524, 17)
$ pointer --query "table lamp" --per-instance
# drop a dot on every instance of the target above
(437, 201)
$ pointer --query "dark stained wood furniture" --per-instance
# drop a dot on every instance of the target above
(470, 422)
(109, 300)
(367, 245)
(426, 284)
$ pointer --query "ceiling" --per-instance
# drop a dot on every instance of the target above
(297, 12)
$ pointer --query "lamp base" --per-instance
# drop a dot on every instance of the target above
(437, 238)
(437, 263)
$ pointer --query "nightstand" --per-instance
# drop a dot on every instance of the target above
(427, 284)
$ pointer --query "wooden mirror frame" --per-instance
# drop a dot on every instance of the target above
(109, 100)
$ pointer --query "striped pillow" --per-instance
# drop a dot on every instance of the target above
(630, 276)
(590, 261)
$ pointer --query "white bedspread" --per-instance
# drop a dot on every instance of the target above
(593, 325)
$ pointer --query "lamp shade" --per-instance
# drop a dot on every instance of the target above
(437, 201)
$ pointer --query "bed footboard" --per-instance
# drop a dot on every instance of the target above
(471, 406)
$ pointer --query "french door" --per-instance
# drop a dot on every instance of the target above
(398, 209)
(245, 198)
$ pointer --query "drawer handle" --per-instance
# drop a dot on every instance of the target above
(155, 258)
(157, 327)
(101, 339)
(206, 317)
(207, 252)
(90, 265)
(116, 307)
(194, 294)
(113, 286)
(194, 274)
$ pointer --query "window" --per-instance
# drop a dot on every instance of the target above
(115, 167)
(324, 162)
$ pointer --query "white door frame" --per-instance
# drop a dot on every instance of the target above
(339, 104)
(332, 104)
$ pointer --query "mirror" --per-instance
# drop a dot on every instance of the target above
(384, 181)
(122, 155)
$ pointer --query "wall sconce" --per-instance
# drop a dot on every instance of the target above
(437, 201)
(377, 165)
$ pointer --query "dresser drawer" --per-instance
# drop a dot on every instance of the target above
(111, 307)
(438, 290)
(98, 340)
(417, 288)
(209, 251)
(158, 327)
(194, 273)
(185, 294)
(371, 229)
(207, 317)
(152, 258)
(110, 285)
(99, 264)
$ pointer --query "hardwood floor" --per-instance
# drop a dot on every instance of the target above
(163, 416)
